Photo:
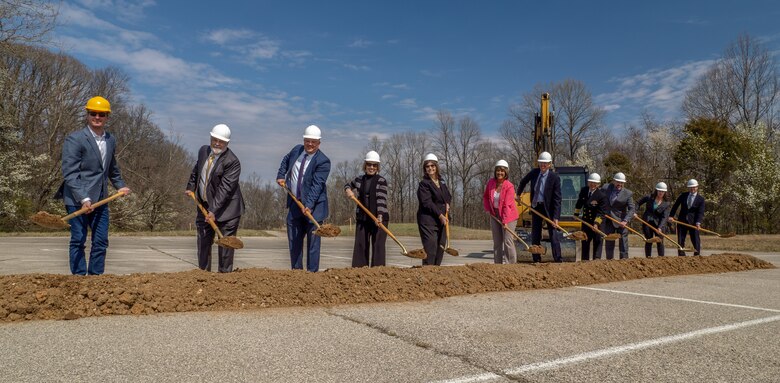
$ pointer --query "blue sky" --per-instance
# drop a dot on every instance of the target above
(361, 68)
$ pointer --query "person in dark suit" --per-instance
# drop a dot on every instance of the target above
(656, 214)
(88, 163)
(305, 170)
(214, 180)
(546, 199)
(591, 202)
(371, 187)
(433, 198)
(692, 213)
(620, 205)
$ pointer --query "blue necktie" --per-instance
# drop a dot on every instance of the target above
(300, 176)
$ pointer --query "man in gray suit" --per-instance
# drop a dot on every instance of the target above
(214, 180)
(88, 164)
(620, 205)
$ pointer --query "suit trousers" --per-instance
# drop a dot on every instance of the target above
(536, 235)
(434, 239)
(298, 229)
(369, 244)
(682, 232)
(504, 250)
(650, 233)
(206, 240)
(97, 222)
(609, 248)
(594, 241)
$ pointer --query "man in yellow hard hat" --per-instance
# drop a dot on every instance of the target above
(88, 163)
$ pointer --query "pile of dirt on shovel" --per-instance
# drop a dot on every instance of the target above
(47, 296)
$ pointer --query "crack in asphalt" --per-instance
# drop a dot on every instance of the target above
(173, 256)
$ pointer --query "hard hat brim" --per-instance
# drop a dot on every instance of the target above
(219, 137)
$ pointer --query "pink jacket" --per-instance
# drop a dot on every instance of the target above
(507, 210)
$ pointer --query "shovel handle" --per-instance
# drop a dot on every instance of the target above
(447, 227)
(206, 215)
(517, 237)
(613, 219)
(696, 228)
(544, 218)
(379, 224)
(94, 205)
(303, 209)
(592, 227)
(658, 231)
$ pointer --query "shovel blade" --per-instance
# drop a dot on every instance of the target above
(328, 230)
(727, 235)
(230, 242)
(452, 252)
(49, 221)
(612, 237)
(536, 249)
(416, 253)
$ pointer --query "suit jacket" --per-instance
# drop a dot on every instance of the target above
(593, 206)
(314, 191)
(83, 170)
(507, 210)
(623, 208)
(432, 201)
(692, 215)
(551, 193)
(657, 216)
(223, 193)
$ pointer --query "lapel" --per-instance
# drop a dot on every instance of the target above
(91, 142)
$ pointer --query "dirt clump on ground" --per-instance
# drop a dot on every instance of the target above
(48, 296)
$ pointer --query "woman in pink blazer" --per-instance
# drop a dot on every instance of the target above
(499, 201)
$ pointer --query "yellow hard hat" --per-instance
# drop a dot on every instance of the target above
(98, 104)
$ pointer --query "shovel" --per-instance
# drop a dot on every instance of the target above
(230, 242)
(651, 240)
(535, 249)
(607, 237)
(727, 235)
(448, 249)
(577, 235)
(418, 254)
(326, 230)
(660, 233)
(51, 221)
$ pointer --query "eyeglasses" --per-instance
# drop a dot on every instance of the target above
(370, 165)
(430, 166)
(96, 114)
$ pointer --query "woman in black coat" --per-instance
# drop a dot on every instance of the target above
(371, 191)
(656, 214)
(434, 199)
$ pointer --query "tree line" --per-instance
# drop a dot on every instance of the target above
(727, 140)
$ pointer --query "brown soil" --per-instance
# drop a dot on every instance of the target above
(47, 296)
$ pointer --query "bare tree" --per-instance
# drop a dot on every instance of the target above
(577, 118)
(26, 21)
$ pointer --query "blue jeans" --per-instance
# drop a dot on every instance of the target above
(97, 221)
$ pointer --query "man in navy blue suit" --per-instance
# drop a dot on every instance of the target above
(88, 163)
(304, 170)
(546, 199)
(692, 213)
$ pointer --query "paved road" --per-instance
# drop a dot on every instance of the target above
(700, 328)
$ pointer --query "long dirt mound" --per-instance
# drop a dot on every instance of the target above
(47, 296)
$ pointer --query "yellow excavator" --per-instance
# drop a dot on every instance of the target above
(573, 178)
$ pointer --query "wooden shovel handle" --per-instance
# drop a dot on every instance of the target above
(517, 237)
(447, 227)
(543, 217)
(206, 215)
(696, 228)
(93, 206)
(657, 231)
(592, 227)
(379, 224)
(300, 205)
(613, 219)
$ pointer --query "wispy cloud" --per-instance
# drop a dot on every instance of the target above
(357, 67)
(250, 46)
(132, 10)
(360, 43)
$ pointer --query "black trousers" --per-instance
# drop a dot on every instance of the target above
(536, 235)
(650, 233)
(369, 244)
(682, 232)
(206, 240)
(594, 240)
(434, 238)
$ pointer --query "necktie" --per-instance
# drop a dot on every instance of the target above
(690, 200)
(208, 175)
(300, 176)
(613, 197)
(590, 193)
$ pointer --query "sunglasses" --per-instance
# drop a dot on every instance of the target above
(370, 165)
(96, 114)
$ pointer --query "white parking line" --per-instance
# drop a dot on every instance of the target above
(679, 299)
(598, 354)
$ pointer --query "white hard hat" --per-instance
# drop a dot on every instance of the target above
(545, 157)
(692, 183)
(620, 177)
(372, 156)
(661, 186)
(594, 177)
(221, 132)
(430, 157)
(313, 132)
(503, 164)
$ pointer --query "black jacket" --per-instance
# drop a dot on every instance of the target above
(692, 215)
(223, 192)
(658, 216)
(591, 207)
(551, 193)
(432, 201)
